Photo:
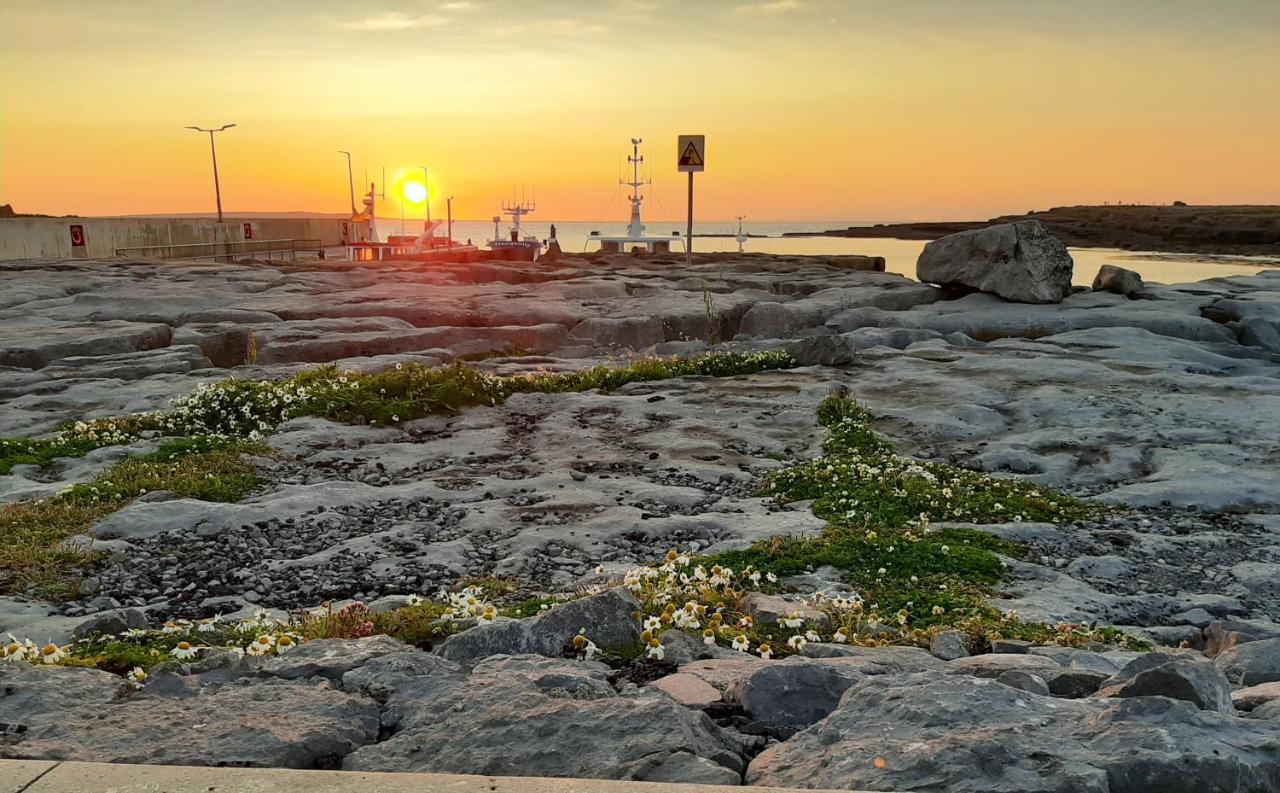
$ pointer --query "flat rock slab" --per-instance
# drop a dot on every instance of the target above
(76, 777)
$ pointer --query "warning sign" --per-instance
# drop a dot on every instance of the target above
(248, 231)
(77, 236)
(691, 153)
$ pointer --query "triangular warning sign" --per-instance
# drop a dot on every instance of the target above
(690, 155)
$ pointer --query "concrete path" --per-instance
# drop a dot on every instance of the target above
(41, 776)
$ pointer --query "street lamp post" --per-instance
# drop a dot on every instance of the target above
(217, 190)
(351, 185)
(426, 187)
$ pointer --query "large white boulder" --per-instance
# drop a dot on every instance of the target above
(1020, 261)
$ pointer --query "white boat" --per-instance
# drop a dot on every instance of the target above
(635, 238)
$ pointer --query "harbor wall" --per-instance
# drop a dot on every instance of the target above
(51, 238)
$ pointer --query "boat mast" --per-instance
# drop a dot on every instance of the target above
(635, 228)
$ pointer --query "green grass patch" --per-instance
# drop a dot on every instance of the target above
(879, 507)
(33, 559)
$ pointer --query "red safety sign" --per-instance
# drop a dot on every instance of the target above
(77, 236)
(248, 231)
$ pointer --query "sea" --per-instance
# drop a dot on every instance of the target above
(899, 255)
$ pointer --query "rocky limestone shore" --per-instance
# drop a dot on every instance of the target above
(1163, 401)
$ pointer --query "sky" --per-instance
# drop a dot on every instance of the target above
(814, 110)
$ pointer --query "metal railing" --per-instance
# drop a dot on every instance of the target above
(246, 249)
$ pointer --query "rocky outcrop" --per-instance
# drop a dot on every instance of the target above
(983, 735)
(1184, 677)
(1021, 262)
(545, 717)
(269, 724)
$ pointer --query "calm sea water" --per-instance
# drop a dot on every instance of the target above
(899, 255)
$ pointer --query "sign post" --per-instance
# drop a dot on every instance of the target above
(690, 158)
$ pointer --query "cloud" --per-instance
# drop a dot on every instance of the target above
(457, 6)
(394, 20)
(771, 7)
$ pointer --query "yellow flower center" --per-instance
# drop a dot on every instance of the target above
(50, 649)
(184, 646)
(263, 640)
(285, 641)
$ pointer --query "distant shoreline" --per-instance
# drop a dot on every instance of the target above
(1179, 228)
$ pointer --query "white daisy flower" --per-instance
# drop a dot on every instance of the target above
(183, 651)
(53, 654)
(766, 652)
(137, 676)
(656, 651)
(740, 643)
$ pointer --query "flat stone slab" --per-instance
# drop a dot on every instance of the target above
(72, 777)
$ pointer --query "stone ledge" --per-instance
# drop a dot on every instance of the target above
(39, 776)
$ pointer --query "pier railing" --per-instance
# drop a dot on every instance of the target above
(244, 249)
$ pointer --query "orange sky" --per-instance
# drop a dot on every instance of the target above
(813, 109)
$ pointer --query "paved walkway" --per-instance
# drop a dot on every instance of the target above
(41, 776)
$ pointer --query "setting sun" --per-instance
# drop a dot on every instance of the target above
(414, 192)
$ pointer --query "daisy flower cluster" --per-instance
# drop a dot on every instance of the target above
(860, 481)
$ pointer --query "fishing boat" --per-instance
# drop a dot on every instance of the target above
(515, 244)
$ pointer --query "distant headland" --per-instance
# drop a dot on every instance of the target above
(1179, 228)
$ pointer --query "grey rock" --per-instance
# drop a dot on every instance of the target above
(330, 658)
(1020, 261)
(1011, 646)
(1255, 696)
(110, 622)
(765, 608)
(269, 723)
(1074, 683)
(995, 664)
(29, 693)
(610, 619)
(822, 351)
(1184, 677)
(792, 693)
(1222, 635)
(949, 645)
(1269, 711)
(983, 736)
(547, 717)
(1024, 681)
(1119, 280)
(1251, 663)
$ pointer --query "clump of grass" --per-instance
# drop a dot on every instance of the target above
(880, 505)
(33, 557)
(860, 481)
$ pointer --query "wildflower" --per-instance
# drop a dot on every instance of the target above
(261, 645)
(52, 653)
(771, 578)
(766, 652)
(183, 651)
(414, 600)
(656, 651)
(652, 623)
(812, 636)
(585, 646)
(207, 625)
(171, 628)
(841, 635)
(946, 549)
(793, 620)
(796, 643)
(708, 636)
(740, 643)
(134, 633)
(938, 611)
(284, 644)
(881, 571)
(137, 676)
(17, 650)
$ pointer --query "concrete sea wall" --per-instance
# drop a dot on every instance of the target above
(52, 238)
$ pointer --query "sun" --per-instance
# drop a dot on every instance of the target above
(414, 192)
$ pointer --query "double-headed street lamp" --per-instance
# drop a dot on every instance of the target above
(217, 190)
